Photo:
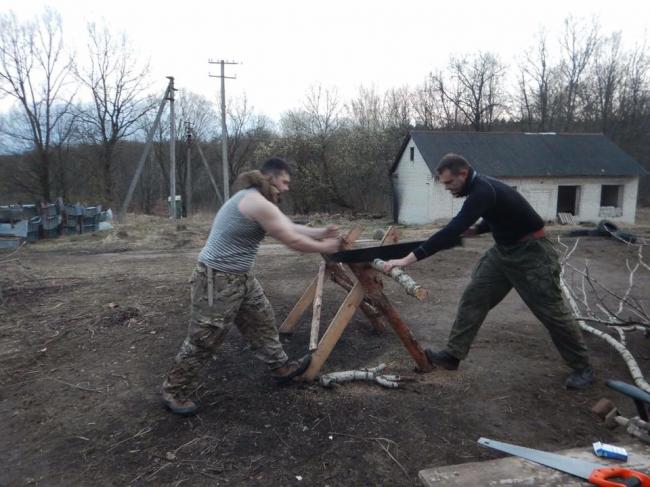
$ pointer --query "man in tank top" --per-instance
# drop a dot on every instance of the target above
(224, 290)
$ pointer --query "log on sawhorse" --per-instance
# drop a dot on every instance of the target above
(367, 294)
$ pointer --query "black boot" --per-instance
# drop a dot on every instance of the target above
(442, 359)
(580, 379)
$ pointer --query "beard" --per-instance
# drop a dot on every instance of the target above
(274, 195)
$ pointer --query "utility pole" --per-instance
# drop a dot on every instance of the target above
(224, 132)
(172, 150)
(134, 181)
(188, 177)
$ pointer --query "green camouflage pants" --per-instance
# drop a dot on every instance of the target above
(532, 268)
(238, 299)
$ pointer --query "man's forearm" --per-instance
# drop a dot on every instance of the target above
(408, 260)
(300, 241)
(403, 262)
(308, 231)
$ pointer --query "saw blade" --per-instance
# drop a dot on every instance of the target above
(573, 466)
(384, 252)
(368, 254)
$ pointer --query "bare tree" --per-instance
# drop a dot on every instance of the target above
(116, 82)
(471, 92)
(423, 101)
(34, 70)
(322, 109)
(633, 111)
(63, 139)
(537, 86)
(361, 147)
(199, 111)
(480, 85)
(397, 108)
(606, 78)
(634, 99)
(247, 130)
(310, 133)
(578, 43)
(366, 109)
(436, 103)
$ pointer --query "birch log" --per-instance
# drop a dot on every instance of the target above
(337, 378)
(411, 287)
(318, 300)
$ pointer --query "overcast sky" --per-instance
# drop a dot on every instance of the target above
(287, 45)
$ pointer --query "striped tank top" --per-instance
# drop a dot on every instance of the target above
(234, 239)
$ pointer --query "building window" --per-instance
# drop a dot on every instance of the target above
(412, 154)
(611, 200)
(611, 195)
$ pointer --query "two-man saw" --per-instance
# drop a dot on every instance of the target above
(384, 252)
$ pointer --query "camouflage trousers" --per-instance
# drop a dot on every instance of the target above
(532, 268)
(236, 299)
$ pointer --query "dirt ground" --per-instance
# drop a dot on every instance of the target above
(90, 324)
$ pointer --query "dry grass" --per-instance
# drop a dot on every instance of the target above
(137, 232)
(155, 232)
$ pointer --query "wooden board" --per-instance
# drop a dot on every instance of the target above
(334, 331)
(514, 472)
(566, 218)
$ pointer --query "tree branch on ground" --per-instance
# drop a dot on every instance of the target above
(608, 311)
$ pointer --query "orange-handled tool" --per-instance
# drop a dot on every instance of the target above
(629, 478)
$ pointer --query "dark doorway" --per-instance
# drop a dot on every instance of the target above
(567, 199)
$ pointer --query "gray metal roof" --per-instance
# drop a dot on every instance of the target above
(523, 154)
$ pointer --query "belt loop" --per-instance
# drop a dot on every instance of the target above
(210, 286)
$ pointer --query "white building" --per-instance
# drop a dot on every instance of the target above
(585, 175)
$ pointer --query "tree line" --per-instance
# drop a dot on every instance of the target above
(77, 122)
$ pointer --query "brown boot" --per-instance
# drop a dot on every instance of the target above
(183, 407)
(285, 374)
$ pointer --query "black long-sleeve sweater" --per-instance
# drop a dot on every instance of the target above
(505, 213)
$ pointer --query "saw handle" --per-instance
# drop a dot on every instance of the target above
(603, 477)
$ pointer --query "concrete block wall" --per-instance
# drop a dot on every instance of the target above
(542, 193)
(424, 200)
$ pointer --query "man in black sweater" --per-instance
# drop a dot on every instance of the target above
(522, 257)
